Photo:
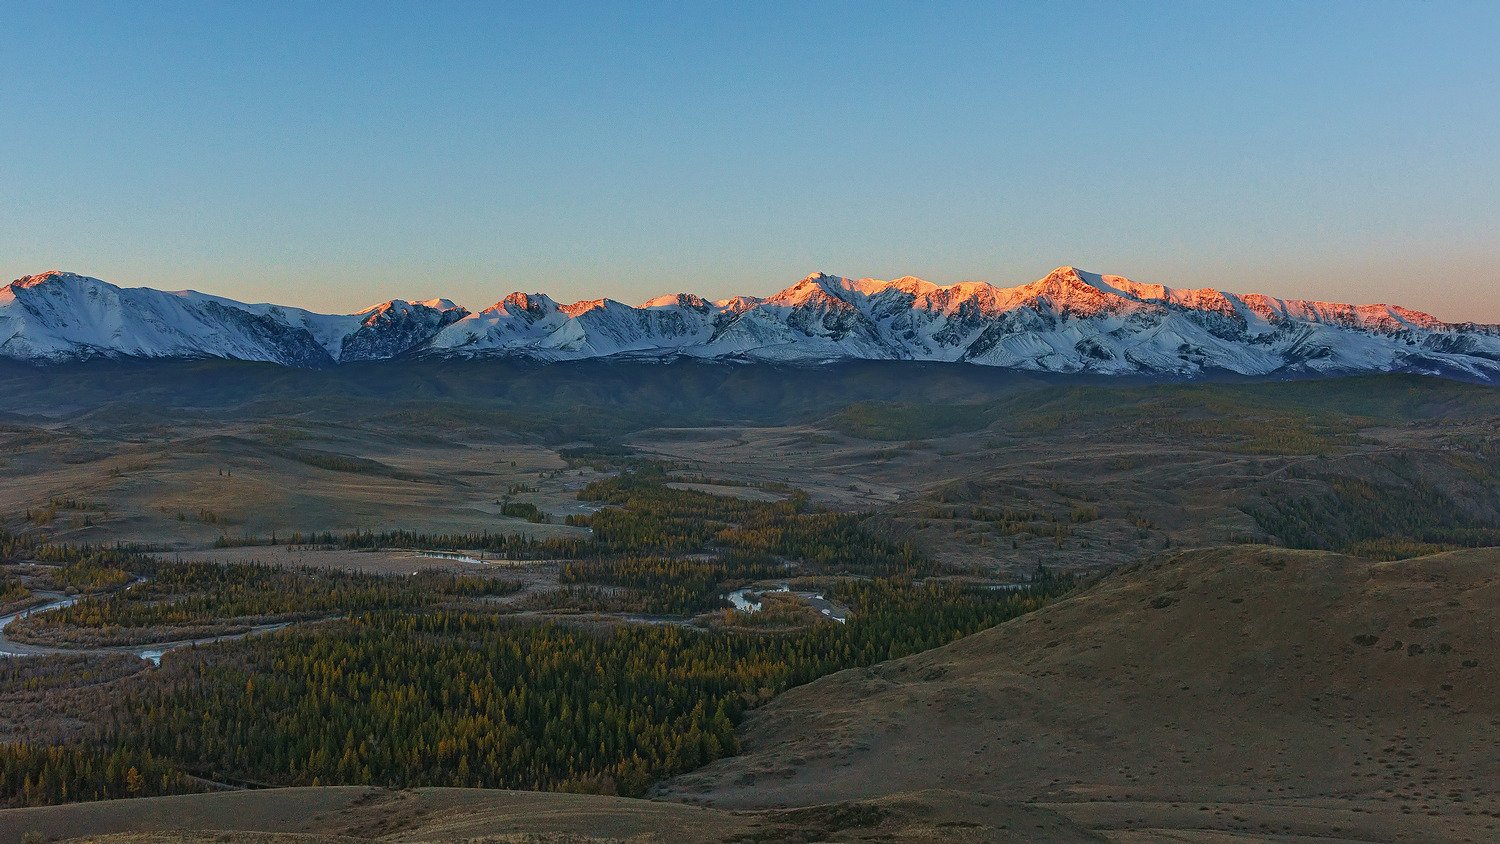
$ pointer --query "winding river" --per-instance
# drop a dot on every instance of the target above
(151, 652)
(746, 600)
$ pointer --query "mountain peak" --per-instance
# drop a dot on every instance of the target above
(1074, 275)
(50, 277)
(817, 288)
(1071, 320)
(402, 305)
(683, 300)
(532, 303)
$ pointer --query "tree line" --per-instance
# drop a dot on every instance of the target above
(1379, 521)
(195, 594)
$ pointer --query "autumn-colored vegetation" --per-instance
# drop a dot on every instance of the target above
(419, 681)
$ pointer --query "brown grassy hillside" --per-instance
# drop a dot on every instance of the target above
(1254, 690)
(351, 814)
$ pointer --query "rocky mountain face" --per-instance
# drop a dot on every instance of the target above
(1069, 321)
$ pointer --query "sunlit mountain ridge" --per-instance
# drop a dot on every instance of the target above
(1069, 321)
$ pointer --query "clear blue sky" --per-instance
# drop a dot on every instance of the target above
(331, 155)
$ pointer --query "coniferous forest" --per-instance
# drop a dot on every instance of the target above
(433, 679)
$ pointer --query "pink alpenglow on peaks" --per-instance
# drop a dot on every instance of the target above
(1069, 321)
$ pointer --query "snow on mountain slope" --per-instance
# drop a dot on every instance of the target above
(394, 328)
(60, 316)
(1069, 321)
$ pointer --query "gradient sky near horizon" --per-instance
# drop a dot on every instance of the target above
(331, 155)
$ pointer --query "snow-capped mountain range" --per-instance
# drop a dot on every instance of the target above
(1069, 321)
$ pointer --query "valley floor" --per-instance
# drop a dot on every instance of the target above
(1239, 692)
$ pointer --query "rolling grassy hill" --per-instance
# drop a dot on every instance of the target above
(1250, 691)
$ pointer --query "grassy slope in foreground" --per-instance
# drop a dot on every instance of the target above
(1261, 683)
(357, 814)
